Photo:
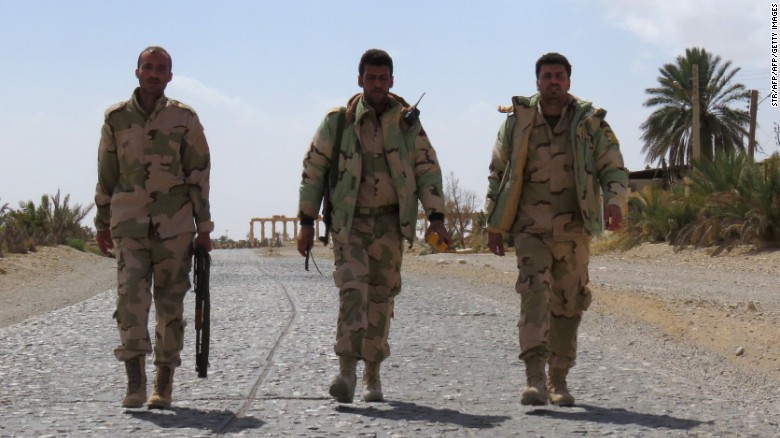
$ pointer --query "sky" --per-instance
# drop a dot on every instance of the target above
(262, 74)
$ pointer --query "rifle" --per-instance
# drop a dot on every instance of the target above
(202, 310)
(332, 177)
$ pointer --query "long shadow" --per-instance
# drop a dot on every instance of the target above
(618, 416)
(414, 412)
(212, 420)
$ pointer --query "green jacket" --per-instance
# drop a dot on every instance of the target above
(412, 162)
(598, 164)
(153, 171)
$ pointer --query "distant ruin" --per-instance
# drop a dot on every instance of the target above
(279, 225)
(276, 237)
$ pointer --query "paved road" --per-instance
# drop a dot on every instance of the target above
(454, 370)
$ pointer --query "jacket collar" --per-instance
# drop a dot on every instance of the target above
(362, 109)
(161, 102)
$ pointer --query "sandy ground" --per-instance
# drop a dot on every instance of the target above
(728, 305)
(49, 279)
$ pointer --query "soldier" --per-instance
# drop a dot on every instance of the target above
(384, 165)
(152, 196)
(553, 154)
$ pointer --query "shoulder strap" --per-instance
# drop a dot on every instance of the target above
(334, 158)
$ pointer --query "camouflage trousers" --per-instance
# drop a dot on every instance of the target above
(152, 268)
(552, 282)
(368, 275)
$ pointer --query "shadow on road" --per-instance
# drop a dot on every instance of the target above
(189, 418)
(414, 412)
(617, 416)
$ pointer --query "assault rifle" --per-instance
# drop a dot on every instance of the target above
(202, 310)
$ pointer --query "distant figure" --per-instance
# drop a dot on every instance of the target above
(553, 155)
(152, 196)
(383, 166)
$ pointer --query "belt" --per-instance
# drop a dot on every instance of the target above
(375, 211)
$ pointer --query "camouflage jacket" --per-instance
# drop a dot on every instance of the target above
(412, 163)
(153, 171)
(598, 164)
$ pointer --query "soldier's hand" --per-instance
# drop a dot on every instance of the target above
(104, 240)
(496, 243)
(204, 240)
(305, 239)
(443, 237)
(613, 217)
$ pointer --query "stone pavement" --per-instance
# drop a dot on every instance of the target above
(453, 372)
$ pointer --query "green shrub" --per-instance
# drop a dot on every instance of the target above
(657, 215)
(739, 203)
(76, 244)
(52, 222)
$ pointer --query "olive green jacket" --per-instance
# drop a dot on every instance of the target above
(598, 164)
(411, 159)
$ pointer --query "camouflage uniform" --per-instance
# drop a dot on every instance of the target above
(153, 194)
(383, 168)
(544, 188)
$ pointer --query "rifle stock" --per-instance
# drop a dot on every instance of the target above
(202, 310)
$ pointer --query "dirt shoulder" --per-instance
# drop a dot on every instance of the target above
(49, 279)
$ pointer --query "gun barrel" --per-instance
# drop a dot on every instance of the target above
(201, 267)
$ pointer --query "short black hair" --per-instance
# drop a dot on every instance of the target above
(377, 58)
(553, 58)
(156, 49)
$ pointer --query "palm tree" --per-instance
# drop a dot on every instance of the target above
(668, 131)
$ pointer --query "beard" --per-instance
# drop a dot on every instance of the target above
(376, 98)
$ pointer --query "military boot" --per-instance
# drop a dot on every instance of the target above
(162, 388)
(342, 388)
(372, 386)
(136, 382)
(535, 393)
(556, 384)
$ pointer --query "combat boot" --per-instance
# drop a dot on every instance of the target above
(535, 393)
(372, 386)
(162, 388)
(136, 382)
(343, 386)
(556, 384)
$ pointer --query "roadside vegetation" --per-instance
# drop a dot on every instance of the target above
(54, 221)
(731, 201)
(726, 198)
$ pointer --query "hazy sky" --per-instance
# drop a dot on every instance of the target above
(262, 74)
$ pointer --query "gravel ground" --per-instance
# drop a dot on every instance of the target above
(658, 351)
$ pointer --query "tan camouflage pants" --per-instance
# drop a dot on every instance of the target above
(552, 282)
(368, 275)
(152, 268)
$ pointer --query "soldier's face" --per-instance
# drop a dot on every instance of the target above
(553, 82)
(153, 73)
(376, 83)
